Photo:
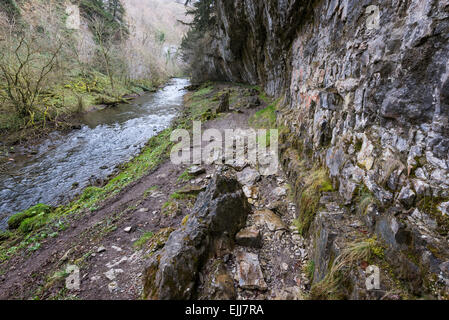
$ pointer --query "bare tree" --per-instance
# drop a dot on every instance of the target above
(24, 71)
(103, 37)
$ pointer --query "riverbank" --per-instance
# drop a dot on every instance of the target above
(65, 163)
(112, 235)
(98, 213)
(72, 101)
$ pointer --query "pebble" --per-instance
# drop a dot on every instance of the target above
(118, 249)
(101, 249)
(112, 287)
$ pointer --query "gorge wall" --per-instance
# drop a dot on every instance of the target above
(365, 94)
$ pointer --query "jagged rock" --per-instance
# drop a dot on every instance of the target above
(224, 103)
(444, 208)
(251, 192)
(335, 158)
(249, 237)
(191, 190)
(365, 157)
(407, 196)
(218, 283)
(249, 273)
(253, 102)
(381, 194)
(270, 219)
(355, 111)
(423, 220)
(112, 274)
(219, 213)
(280, 192)
(248, 177)
(422, 189)
(279, 207)
(196, 170)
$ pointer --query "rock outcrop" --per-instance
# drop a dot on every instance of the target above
(219, 213)
(365, 88)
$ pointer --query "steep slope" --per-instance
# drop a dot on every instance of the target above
(365, 95)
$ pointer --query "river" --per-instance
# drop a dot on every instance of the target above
(64, 164)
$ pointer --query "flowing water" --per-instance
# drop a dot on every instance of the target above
(64, 164)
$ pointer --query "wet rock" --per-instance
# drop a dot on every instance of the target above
(219, 213)
(249, 273)
(269, 219)
(249, 237)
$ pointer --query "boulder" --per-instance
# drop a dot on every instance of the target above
(249, 273)
(219, 213)
(249, 237)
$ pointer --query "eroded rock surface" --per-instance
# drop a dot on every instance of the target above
(219, 213)
(369, 100)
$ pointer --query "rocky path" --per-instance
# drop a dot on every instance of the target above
(112, 245)
(268, 261)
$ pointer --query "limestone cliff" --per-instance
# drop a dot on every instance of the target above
(365, 88)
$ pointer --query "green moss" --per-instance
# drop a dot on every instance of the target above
(143, 240)
(5, 235)
(185, 176)
(265, 118)
(204, 91)
(358, 145)
(182, 196)
(430, 206)
(170, 208)
(16, 220)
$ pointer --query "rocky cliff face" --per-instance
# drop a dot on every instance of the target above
(365, 87)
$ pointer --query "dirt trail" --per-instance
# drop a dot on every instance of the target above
(102, 243)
